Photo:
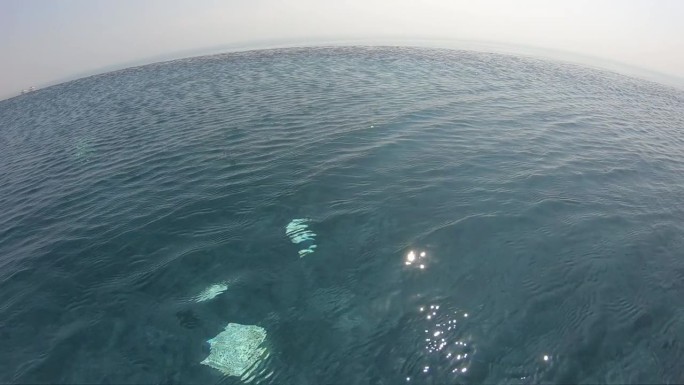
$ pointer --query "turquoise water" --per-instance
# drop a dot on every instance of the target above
(146, 209)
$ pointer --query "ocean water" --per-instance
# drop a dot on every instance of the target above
(477, 218)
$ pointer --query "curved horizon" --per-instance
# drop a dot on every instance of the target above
(384, 207)
(47, 43)
(418, 43)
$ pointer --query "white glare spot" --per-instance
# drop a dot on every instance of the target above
(422, 254)
(422, 308)
(437, 307)
(429, 316)
(465, 315)
(422, 266)
(411, 256)
(437, 333)
(407, 378)
(425, 369)
(464, 370)
(546, 358)
(458, 357)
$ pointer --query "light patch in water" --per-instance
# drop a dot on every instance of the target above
(236, 350)
(298, 231)
(306, 251)
(82, 149)
(211, 292)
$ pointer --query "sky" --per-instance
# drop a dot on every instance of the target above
(45, 42)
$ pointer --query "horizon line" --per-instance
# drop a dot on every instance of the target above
(549, 54)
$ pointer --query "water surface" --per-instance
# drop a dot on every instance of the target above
(548, 200)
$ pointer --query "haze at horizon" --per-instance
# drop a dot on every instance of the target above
(49, 42)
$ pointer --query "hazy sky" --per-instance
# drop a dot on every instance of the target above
(48, 41)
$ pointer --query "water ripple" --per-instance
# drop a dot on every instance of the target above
(479, 218)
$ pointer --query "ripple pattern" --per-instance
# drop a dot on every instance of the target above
(546, 198)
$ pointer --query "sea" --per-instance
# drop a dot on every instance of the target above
(374, 215)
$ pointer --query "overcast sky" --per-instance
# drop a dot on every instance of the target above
(49, 41)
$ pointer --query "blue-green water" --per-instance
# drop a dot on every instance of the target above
(548, 200)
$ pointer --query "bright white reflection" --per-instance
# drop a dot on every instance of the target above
(447, 348)
(415, 258)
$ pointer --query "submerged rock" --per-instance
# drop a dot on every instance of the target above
(236, 350)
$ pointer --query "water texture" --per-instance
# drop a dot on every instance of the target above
(478, 218)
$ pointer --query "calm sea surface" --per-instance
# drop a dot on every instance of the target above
(476, 218)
